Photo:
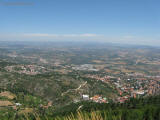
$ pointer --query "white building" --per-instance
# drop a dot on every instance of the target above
(18, 104)
(85, 97)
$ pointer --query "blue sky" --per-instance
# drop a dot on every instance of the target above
(119, 21)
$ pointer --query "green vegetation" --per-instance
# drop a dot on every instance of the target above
(135, 109)
(39, 81)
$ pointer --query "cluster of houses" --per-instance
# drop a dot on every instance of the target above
(85, 67)
(26, 69)
(96, 98)
(123, 99)
(131, 85)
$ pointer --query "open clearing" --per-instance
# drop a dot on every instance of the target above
(7, 95)
(5, 103)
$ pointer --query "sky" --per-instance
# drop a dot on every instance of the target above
(116, 21)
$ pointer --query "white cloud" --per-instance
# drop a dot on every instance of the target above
(124, 39)
(50, 37)
(58, 35)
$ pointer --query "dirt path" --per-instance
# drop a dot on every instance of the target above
(74, 89)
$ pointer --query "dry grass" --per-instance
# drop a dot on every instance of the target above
(96, 115)
(126, 71)
(119, 63)
(26, 110)
(63, 71)
(97, 61)
(5, 103)
(108, 70)
(7, 95)
(102, 66)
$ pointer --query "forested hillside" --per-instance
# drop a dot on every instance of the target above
(35, 108)
(135, 109)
